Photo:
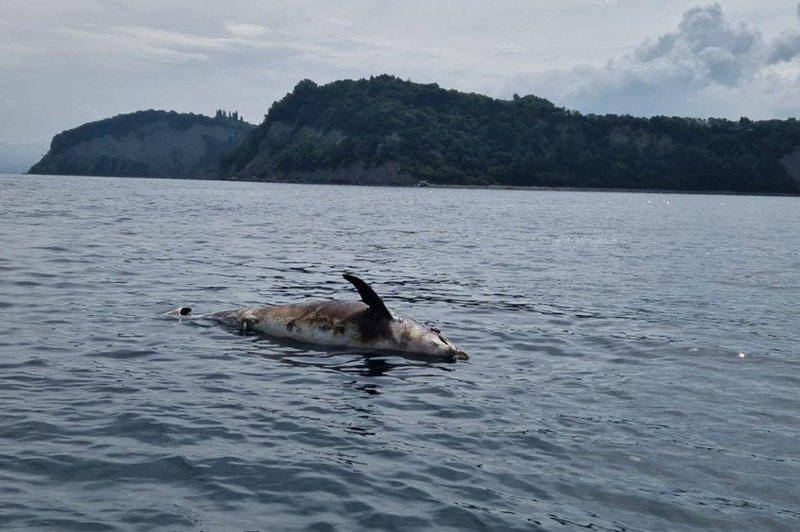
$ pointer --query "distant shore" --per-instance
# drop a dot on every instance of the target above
(453, 186)
(601, 189)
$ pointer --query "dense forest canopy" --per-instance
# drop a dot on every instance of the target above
(146, 144)
(384, 129)
(121, 125)
(450, 137)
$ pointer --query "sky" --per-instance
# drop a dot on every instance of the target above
(67, 62)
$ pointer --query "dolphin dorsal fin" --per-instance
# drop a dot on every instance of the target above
(369, 296)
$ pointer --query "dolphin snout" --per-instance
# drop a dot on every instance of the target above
(460, 354)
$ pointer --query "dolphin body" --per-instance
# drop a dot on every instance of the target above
(365, 324)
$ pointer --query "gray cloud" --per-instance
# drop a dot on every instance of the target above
(786, 47)
(65, 63)
(706, 48)
(707, 66)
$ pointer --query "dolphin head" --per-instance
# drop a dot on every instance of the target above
(398, 332)
(413, 337)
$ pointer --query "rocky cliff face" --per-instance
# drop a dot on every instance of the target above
(264, 167)
(384, 130)
(791, 162)
(145, 144)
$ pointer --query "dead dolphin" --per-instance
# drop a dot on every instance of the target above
(365, 324)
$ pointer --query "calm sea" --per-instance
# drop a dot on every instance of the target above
(635, 359)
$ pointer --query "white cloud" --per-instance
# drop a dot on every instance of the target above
(130, 42)
(247, 30)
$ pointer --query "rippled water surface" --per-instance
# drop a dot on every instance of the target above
(634, 359)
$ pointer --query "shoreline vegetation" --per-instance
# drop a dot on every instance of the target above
(387, 131)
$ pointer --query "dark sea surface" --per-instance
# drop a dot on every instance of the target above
(635, 359)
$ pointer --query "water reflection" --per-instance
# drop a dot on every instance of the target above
(301, 354)
(364, 364)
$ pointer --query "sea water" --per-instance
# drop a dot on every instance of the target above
(635, 359)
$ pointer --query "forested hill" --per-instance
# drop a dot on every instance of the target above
(386, 130)
(146, 144)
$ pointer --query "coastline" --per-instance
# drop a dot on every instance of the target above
(445, 186)
(602, 189)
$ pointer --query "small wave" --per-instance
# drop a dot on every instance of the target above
(124, 353)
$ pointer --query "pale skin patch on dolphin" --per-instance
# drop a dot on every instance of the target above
(334, 316)
(405, 338)
(366, 324)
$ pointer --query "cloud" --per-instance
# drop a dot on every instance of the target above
(324, 44)
(166, 45)
(706, 48)
(707, 66)
(247, 30)
(63, 63)
(786, 47)
(133, 42)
